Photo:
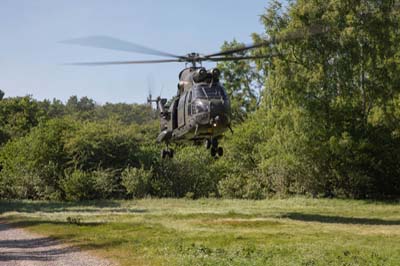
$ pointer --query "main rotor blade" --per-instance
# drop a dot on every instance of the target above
(237, 50)
(236, 58)
(106, 42)
(124, 62)
(294, 35)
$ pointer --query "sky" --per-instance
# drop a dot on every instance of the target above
(32, 55)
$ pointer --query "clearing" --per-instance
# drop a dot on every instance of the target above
(294, 231)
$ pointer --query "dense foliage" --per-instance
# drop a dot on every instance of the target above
(329, 119)
(318, 115)
(87, 151)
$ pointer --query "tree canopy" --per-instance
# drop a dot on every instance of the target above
(317, 115)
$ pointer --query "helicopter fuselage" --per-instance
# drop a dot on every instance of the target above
(200, 111)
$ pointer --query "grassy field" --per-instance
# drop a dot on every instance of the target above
(295, 231)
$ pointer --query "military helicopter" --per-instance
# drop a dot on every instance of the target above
(201, 111)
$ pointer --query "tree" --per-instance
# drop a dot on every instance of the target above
(330, 106)
(18, 115)
(337, 80)
(242, 82)
(106, 144)
(33, 165)
(125, 113)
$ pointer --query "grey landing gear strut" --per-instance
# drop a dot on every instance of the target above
(212, 144)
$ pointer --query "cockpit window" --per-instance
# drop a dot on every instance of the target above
(209, 92)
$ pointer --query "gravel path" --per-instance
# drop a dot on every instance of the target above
(21, 248)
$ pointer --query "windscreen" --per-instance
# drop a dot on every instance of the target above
(209, 92)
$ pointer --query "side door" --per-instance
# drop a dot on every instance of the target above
(181, 110)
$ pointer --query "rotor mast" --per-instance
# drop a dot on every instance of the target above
(193, 58)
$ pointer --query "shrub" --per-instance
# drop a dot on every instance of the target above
(106, 144)
(78, 185)
(251, 185)
(192, 170)
(136, 181)
(105, 183)
(32, 165)
(232, 186)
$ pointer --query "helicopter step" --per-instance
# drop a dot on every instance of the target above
(212, 144)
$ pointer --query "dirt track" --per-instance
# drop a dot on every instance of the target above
(21, 248)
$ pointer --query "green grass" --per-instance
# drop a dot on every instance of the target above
(295, 231)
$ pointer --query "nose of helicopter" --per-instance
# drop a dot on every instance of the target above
(218, 112)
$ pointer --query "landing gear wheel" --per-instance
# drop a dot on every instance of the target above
(167, 153)
(220, 151)
(164, 153)
(208, 143)
(213, 151)
(214, 143)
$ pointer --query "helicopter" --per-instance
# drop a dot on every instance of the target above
(201, 110)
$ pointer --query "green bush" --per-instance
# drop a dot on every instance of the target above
(233, 186)
(78, 185)
(107, 144)
(105, 183)
(136, 181)
(32, 165)
(191, 170)
(251, 185)
(18, 115)
(89, 185)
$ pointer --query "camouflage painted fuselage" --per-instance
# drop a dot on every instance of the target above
(201, 110)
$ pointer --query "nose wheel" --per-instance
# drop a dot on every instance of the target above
(220, 151)
(214, 148)
(167, 153)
